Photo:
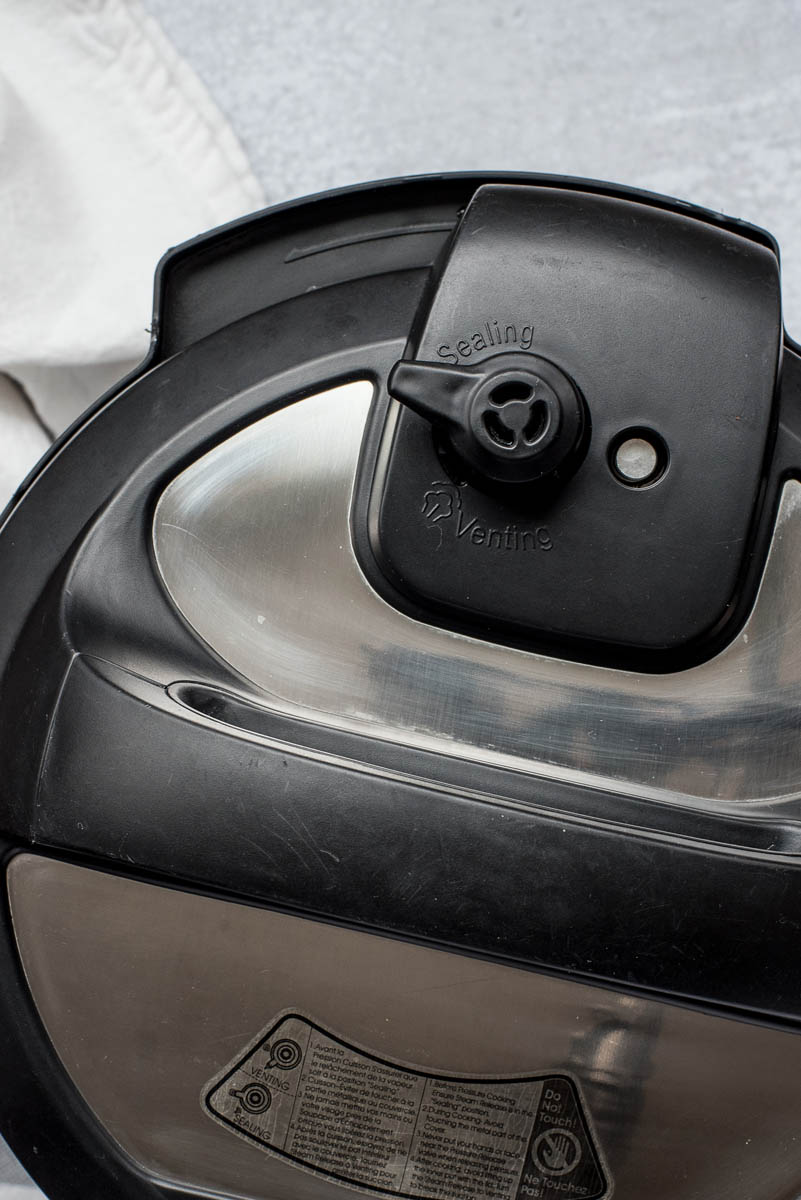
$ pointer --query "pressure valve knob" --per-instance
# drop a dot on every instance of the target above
(514, 418)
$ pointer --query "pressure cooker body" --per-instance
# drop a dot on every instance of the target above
(399, 717)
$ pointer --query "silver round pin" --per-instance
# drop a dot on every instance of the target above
(636, 460)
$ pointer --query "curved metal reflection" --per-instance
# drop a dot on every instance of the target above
(253, 544)
(685, 1104)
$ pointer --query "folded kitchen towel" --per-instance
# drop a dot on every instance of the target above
(111, 151)
(23, 441)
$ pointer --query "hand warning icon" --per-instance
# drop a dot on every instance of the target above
(556, 1152)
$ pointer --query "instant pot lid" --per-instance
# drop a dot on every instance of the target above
(480, 653)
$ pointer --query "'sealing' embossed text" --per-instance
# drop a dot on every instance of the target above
(491, 334)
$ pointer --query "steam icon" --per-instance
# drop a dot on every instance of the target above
(284, 1054)
(255, 1097)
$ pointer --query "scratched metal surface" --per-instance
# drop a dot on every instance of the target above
(685, 1105)
(253, 544)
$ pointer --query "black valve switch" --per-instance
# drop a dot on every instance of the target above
(514, 419)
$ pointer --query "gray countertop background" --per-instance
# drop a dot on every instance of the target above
(696, 100)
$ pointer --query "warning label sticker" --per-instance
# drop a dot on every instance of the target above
(306, 1095)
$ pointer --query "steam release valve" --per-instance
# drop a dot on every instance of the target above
(588, 391)
(514, 418)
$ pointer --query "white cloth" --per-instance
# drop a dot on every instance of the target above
(23, 440)
(111, 151)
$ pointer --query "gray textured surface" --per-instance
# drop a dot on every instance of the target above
(698, 100)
